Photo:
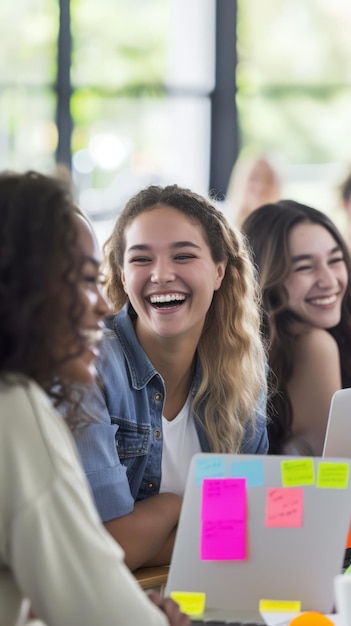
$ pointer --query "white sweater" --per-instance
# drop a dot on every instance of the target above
(53, 547)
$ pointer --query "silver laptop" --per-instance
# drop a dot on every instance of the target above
(338, 434)
(261, 528)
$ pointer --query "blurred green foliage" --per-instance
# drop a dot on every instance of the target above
(294, 79)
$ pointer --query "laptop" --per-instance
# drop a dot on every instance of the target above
(259, 531)
(337, 441)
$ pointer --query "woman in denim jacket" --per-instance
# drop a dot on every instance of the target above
(182, 365)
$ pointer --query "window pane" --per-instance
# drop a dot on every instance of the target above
(140, 106)
(121, 145)
(294, 42)
(294, 87)
(28, 35)
(119, 42)
(28, 135)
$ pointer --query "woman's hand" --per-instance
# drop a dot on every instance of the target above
(170, 608)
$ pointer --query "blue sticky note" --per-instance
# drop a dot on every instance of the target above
(251, 470)
(210, 467)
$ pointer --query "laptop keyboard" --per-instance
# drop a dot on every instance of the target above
(224, 623)
(347, 559)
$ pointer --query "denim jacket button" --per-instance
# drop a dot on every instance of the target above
(157, 434)
(158, 397)
(151, 486)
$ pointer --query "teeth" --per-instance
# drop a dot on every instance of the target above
(321, 301)
(93, 337)
(167, 298)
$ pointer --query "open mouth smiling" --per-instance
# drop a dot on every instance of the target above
(167, 300)
(323, 300)
(92, 337)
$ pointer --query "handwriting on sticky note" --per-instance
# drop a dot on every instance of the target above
(280, 606)
(251, 470)
(284, 507)
(297, 473)
(209, 468)
(223, 517)
(223, 499)
(332, 475)
(223, 540)
(191, 603)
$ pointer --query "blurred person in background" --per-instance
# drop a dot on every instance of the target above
(344, 207)
(345, 193)
(254, 181)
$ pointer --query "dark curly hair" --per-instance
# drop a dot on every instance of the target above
(268, 229)
(39, 265)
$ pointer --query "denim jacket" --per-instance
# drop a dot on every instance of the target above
(121, 450)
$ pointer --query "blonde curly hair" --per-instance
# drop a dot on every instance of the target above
(230, 349)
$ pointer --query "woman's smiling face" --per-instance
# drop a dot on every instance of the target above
(318, 277)
(168, 272)
(79, 365)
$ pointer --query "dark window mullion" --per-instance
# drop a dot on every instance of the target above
(63, 86)
(224, 118)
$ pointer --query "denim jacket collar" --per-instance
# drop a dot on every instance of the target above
(139, 365)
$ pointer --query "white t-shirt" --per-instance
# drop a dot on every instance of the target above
(180, 443)
(53, 547)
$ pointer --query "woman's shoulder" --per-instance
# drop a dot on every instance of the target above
(20, 392)
(25, 408)
(316, 343)
(37, 437)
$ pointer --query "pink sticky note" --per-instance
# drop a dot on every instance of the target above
(223, 540)
(223, 499)
(284, 507)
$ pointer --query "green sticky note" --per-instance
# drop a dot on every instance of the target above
(332, 475)
(297, 473)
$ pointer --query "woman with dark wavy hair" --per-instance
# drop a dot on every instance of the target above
(54, 550)
(304, 266)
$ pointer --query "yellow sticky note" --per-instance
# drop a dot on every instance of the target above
(332, 475)
(297, 473)
(280, 606)
(191, 603)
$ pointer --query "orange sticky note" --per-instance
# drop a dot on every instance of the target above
(348, 542)
(284, 507)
